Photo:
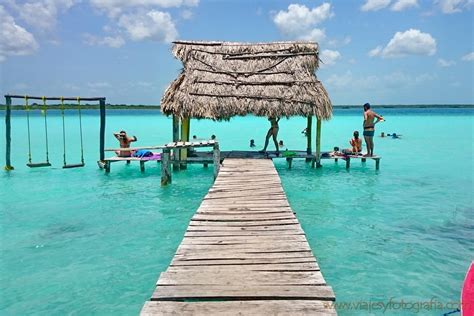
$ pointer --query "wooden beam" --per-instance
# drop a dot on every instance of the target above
(165, 167)
(55, 98)
(185, 125)
(318, 143)
(175, 139)
(102, 131)
(8, 164)
(217, 160)
(309, 133)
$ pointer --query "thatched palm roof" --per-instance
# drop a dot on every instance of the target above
(222, 79)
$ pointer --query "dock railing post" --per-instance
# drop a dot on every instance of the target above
(165, 167)
(176, 153)
(217, 159)
(185, 125)
(318, 143)
(102, 130)
(308, 137)
(8, 163)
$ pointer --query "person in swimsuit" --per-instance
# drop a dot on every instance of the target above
(369, 128)
(125, 142)
(273, 132)
(356, 143)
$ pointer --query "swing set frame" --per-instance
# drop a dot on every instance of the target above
(8, 107)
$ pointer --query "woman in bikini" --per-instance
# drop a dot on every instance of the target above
(273, 132)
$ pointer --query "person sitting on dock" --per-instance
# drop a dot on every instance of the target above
(125, 142)
(252, 143)
(272, 132)
(281, 144)
(356, 143)
(213, 137)
(369, 128)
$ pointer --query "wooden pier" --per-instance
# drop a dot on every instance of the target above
(244, 252)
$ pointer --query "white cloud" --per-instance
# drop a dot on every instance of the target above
(395, 80)
(446, 63)
(115, 7)
(375, 5)
(42, 14)
(299, 21)
(468, 57)
(186, 14)
(401, 5)
(340, 43)
(450, 6)
(329, 57)
(315, 35)
(98, 85)
(14, 39)
(153, 25)
(110, 41)
(410, 42)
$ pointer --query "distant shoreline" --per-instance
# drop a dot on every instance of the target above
(157, 107)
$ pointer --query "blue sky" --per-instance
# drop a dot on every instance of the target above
(380, 51)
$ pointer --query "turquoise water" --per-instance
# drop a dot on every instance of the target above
(81, 242)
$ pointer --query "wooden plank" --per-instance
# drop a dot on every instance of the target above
(225, 278)
(292, 266)
(242, 239)
(243, 223)
(241, 233)
(227, 308)
(238, 292)
(240, 255)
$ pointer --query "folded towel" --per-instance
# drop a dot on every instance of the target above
(142, 153)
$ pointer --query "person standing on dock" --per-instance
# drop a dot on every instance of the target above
(369, 128)
(272, 132)
(125, 142)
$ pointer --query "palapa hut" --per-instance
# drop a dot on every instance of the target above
(223, 79)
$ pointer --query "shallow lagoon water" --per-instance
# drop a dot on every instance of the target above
(81, 242)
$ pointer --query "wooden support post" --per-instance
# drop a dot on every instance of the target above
(176, 153)
(107, 166)
(318, 143)
(205, 165)
(335, 160)
(377, 163)
(185, 122)
(362, 159)
(348, 162)
(128, 162)
(289, 161)
(217, 159)
(8, 113)
(142, 166)
(165, 167)
(102, 130)
(308, 136)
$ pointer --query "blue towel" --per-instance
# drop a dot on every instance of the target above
(142, 153)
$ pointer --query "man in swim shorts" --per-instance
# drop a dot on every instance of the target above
(125, 142)
(369, 128)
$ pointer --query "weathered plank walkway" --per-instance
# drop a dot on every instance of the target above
(243, 253)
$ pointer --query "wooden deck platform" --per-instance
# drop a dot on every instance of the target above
(244, 253)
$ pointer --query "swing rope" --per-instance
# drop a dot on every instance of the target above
(45, 109)
(64, 131)
(80, 128)
(28, 124)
